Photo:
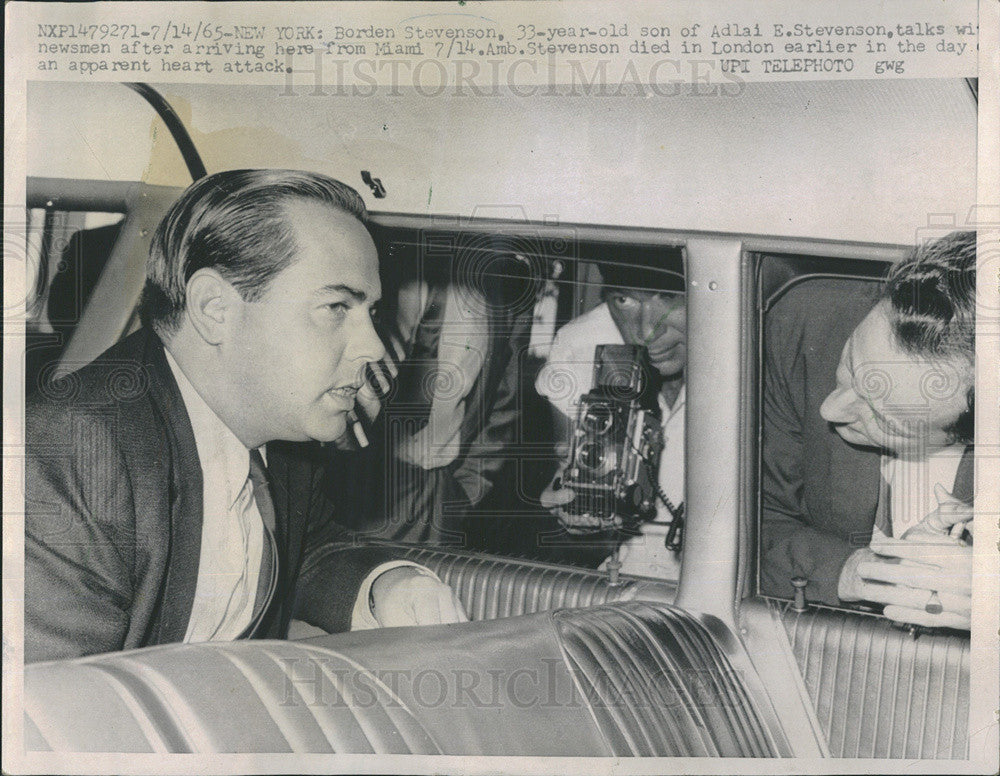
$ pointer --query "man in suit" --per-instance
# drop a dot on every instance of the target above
(886, 456)
(818, 494)
(152, 515)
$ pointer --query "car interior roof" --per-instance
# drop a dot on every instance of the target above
(626, 160)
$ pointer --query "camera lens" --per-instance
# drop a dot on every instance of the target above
(591, 455)
(598, 418)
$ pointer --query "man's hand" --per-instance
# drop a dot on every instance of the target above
(926, 580)
(555, 497)
(437, 444)
(405, 596)
(952, 517)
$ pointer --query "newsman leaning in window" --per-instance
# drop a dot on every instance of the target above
(172, 484)
(868, 460)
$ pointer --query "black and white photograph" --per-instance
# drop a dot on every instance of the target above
(501, 387)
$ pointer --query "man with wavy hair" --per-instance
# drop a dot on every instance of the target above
(905, 389)
(179, 505)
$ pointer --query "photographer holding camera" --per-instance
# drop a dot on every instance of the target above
(642, 305)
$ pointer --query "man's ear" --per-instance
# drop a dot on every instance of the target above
(211, 303)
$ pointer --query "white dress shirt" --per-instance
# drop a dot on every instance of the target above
(646, 555)
(912, 484)
(232, 533)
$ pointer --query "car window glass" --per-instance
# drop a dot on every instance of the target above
(495, 338)
(65, 253)
(819, 495)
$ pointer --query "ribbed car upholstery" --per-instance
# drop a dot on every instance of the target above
(626, 679)
(491, 587)
(244, 696)
(879, 691)
(659, 685)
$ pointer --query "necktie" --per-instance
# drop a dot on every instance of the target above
(883, 510)
(265, 506)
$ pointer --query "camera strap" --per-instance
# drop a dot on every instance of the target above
(672, 541)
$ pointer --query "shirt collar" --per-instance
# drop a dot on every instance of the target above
(678, 402)
(222, 455)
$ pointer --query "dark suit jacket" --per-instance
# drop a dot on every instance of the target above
(819, 493)
(113, 515)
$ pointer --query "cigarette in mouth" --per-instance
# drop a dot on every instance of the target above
(359, 432)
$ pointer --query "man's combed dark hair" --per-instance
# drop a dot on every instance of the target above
(932, 307)
(932, 296)
(644, 267)
(237, 223)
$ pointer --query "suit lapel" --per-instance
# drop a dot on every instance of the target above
(186, 508)
(290, 480)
